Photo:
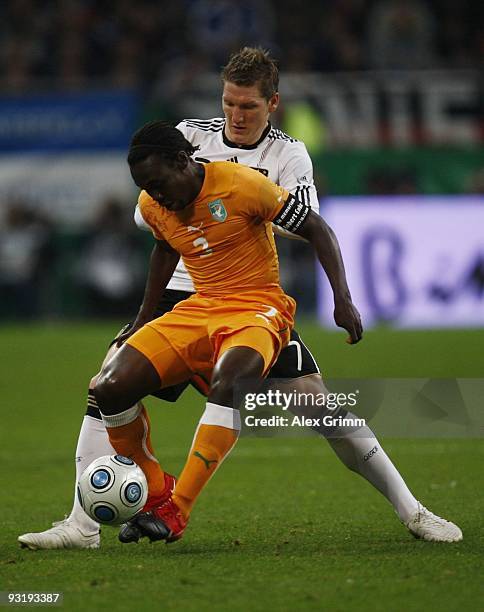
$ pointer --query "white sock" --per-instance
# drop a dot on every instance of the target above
(361, 452)
(93, 442)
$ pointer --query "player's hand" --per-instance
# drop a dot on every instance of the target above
(130, 329)
(347, 316)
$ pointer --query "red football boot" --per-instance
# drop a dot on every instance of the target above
(165, 522)
(157, 500)
(129, 531)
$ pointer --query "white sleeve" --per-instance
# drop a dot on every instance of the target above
(139, 220)
(296, 176)
(183, 127)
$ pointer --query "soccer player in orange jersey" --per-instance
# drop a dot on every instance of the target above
(245, 135)
(218, 218)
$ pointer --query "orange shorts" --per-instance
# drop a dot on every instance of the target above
(192, 337)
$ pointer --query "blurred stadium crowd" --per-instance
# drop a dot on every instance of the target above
(70, 43)
(98, 271)
(158, 49)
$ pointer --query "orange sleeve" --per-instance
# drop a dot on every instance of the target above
(263, 198)
(151, 213)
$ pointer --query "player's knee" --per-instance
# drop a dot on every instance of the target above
(108, 389)
(225, 389)
(93, 381)
(221, 391)
(105, 385)
(236, 365)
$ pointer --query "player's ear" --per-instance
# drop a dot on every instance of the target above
(273, 102)
(181, 160)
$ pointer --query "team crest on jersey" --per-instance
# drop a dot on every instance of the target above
(217, 210)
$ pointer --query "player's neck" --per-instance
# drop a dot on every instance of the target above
(198, 172)
(252, 145)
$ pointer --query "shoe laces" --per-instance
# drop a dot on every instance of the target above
(64, 521)
(168, 511)
(424, 513)
(170, 483)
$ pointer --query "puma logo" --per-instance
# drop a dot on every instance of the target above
(206, 461)
(270, 313)
(195, 228)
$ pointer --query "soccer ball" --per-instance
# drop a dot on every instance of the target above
(112, 489)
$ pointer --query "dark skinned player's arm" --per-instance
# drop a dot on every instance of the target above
(163, 262)
(318, 233)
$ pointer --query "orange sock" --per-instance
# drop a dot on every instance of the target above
(133, 440)
(216, 435)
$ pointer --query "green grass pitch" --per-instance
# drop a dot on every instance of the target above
(282, 526)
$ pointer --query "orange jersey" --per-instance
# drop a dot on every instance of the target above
(225, 236)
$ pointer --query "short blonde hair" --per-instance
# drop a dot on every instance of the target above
(251, 66)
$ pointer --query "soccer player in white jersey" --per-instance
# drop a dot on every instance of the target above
(245, 135)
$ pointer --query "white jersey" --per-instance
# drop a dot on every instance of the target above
(283, 159)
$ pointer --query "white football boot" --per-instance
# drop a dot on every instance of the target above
(426, 525)
(62, 534)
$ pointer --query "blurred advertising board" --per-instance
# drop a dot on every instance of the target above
(62, 121)
(411, 262)
(64, 153)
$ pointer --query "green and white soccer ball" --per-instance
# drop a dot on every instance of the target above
(112, 489)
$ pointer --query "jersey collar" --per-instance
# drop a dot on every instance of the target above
(231, 144)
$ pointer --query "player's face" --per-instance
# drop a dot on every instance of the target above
(168, 183)
(246, 112)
